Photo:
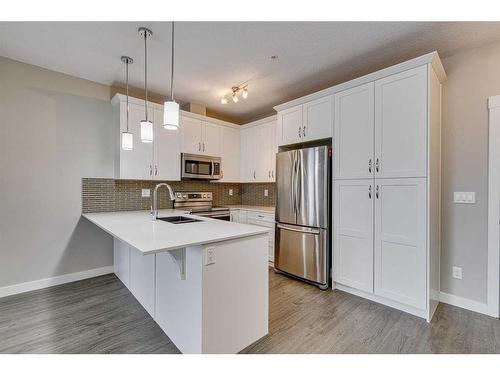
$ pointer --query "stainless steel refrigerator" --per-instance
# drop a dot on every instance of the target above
(303, 214)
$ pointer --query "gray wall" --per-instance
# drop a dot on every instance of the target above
(473, 76)
(54, 130)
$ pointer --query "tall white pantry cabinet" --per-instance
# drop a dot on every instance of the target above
(387, 186)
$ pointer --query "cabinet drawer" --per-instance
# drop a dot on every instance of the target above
(265, 217)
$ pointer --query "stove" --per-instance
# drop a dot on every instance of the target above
(200, 203)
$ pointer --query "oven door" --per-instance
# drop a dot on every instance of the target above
(200, 167)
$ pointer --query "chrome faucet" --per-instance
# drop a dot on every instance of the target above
(154, 206)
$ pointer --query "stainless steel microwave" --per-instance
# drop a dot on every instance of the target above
(200, 167)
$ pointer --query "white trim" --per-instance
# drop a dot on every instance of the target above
(264, 120)
(464, 303)
(431, 58)
(52, 281)
(494, 206)
(384, 301)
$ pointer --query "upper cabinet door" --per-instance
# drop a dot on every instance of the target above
(265, 144)
(354, 127)
(230, 153)
(400, 240)
(138, 162)
(191, 135)
(211, 139)
(167, 164)
(401, 124)
(318, 119)
(353, 233)
(290, 125)
(249, 143)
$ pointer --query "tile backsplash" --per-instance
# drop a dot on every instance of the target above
(107, 194)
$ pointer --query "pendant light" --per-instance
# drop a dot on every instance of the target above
(127, 137)
(171, 107)
(146, 125)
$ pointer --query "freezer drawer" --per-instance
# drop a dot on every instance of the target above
(302, 252)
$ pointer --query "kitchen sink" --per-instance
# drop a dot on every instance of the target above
(178, 219)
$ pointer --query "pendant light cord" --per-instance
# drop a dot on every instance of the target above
(146, 73)
(172, 67)
(127, 62)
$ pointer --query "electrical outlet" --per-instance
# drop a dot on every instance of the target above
(457, 272)
(145, 193)
(230, 192)
(266, 193)
(209, 256)
(468, 197)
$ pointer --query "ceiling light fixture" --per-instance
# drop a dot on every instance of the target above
(146, 125)
(127, 137)
(237, 90)
(171, 107)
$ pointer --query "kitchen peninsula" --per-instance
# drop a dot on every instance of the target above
(204, 282)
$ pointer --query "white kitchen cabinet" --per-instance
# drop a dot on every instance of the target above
(199, 137)
(317, 119)
(290, 125)
(211, 139)
(394, 120)
(138, 162)
(258, 152)
(191, 135)
(354, 133)
(259, 218)
(353, 233)
(230, 153)
(121, 261)
(307, 122)
(142, 279)
(401, 124)
(400, 240)
(166, 150)
(158, 160)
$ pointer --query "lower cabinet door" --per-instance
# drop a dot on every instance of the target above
(400, 240)
(142, 279)
(353, 233)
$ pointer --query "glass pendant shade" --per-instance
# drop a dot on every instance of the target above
(171, 115)
(127, 141)
(146, 131)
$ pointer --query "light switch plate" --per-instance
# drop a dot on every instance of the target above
(468, 197)
(230, 192)
(266, 193)
(209, 256)
(145, 193)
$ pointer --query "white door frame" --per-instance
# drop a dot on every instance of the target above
(494, 206)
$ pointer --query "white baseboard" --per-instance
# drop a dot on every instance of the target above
(464, 303)
(52, 281)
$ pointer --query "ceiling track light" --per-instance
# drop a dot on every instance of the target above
(127, 136)
(237, 90)
(146, 125)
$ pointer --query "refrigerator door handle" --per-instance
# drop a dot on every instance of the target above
(300, 230)
(299, 182)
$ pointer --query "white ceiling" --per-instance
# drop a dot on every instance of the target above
(213, 56)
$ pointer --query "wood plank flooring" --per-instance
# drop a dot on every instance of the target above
(100, 315)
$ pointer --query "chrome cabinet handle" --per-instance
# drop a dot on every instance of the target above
(304, 130)
(254, 175)
(156, 170)
(203, 146)
(370, 192)
(150, 170)
(377, 164)
(300, 131)
(376, 192)
(269, 174)
(199, 146)
(370, 165)
(272, 173)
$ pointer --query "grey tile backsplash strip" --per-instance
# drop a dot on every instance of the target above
(107, 194)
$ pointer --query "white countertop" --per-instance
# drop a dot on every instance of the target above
(138, 230)
(251, 208)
